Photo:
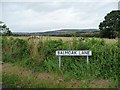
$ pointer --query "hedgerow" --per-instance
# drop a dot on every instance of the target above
(103, 62)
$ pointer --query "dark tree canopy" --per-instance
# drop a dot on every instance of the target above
(110, 27)
(5, 30)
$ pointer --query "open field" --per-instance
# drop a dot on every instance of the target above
(62, 38)
(31, 62)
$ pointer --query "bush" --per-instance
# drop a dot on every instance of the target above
(14, 49)
(103, 62)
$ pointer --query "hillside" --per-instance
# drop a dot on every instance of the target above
(59, 32)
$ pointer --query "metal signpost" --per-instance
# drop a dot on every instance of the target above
(73, 53)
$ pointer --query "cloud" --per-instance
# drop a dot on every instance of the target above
(0, 11)
(42, 16)
(59, 0)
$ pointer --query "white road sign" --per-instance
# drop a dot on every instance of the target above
(74, 53)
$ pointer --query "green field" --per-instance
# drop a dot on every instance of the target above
(31, 62)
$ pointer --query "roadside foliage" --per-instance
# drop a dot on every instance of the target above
(39, 56)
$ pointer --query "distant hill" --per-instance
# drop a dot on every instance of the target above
(59, 32)
(1, 22)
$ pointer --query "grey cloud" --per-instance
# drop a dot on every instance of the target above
(46, 7)
(40, 16)
(36, 6)
(60, 0)
(0, 11)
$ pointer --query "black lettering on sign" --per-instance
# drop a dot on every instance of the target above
(75, 52)
(60, 52)
(85, 52)
(66, 52)
(72, 52)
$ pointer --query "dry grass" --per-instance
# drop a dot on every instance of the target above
(110, 41)
(100, 84)
(0, 74)
(50, 78)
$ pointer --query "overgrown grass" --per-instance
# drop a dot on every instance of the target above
(40, 56)
(15, 81)
(17, 76)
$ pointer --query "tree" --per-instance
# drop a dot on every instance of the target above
(5, 30)
(8, 32)
(110, 27)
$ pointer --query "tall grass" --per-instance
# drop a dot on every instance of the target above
(40, 55)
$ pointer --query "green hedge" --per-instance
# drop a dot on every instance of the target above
(103, 63)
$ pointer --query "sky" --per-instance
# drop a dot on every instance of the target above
(40, 16)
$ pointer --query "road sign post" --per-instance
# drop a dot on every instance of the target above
(87, 59)
(59, 62)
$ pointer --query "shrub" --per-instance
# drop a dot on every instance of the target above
(103, 63)
(14, 49)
